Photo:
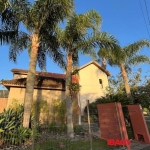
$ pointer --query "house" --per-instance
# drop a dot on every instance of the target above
(94, 81)
(92, 78)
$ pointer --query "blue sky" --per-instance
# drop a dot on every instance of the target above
(121, 18)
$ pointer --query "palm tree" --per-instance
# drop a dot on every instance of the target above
(3, 5)
(77, 37)
(8, 23)
(124, 58)
(40, 19)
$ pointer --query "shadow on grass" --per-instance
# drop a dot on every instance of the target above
(73, 145)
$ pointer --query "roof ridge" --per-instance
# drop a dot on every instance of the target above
(24, 70)
(96, 64)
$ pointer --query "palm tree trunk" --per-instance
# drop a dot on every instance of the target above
(126, 83)
(70, 131)
(30, 81)
(104, 63)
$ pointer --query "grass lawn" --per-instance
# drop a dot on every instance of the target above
(73, 145)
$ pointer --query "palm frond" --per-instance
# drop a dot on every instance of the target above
(103, 52)
(7, 36)
(93, 19)
(8, 20)
(78, 25)
(50, 46)
(138, 59)
(43, 13)
(109, 48)
(17, 45)
(61, 38)
(3, 5)
(21, 10)
(113, 56)
(57, 57)
(17, 11)
(41, 58)
(107, 41)
(136, 47)
(9, 26)
(85, 43)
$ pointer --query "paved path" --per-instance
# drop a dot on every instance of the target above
(139, 146)
(136, 146)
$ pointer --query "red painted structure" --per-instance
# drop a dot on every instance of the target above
(75, 79)
(111, 121)
(139, 125)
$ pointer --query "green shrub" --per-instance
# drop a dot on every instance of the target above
(57, 128)
(40, 106)
(20, 135)
(108, 99)
(51, 127)
(60, 128)
(58, 111)
(78, 129)
(11, 129)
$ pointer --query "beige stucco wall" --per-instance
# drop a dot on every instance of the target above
(90, 86)
(48, 95)
(18, 94)
(3, 104)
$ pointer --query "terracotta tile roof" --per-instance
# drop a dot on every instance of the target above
(40, 82)
(44, 74)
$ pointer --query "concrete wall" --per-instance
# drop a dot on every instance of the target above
(90, 86)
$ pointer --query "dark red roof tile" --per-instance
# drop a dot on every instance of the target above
(44, 74)
(40, 82)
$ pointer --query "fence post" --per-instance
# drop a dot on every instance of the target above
(89, 125)
(34, 125)
(79, 104)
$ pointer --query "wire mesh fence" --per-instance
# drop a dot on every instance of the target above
(50, 137)
(50, 134)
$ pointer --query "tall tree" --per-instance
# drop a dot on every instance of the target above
(80, 35)
(40, 19)
(3, 5)
(124, 58)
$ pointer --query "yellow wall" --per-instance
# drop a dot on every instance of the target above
(3, 104)
(47, 95)
(90, 86)
(18, 94)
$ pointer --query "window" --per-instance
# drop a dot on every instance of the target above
(101, 83)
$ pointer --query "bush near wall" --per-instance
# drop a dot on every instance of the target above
(108, 99)
(50, 113)
(11, 129)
